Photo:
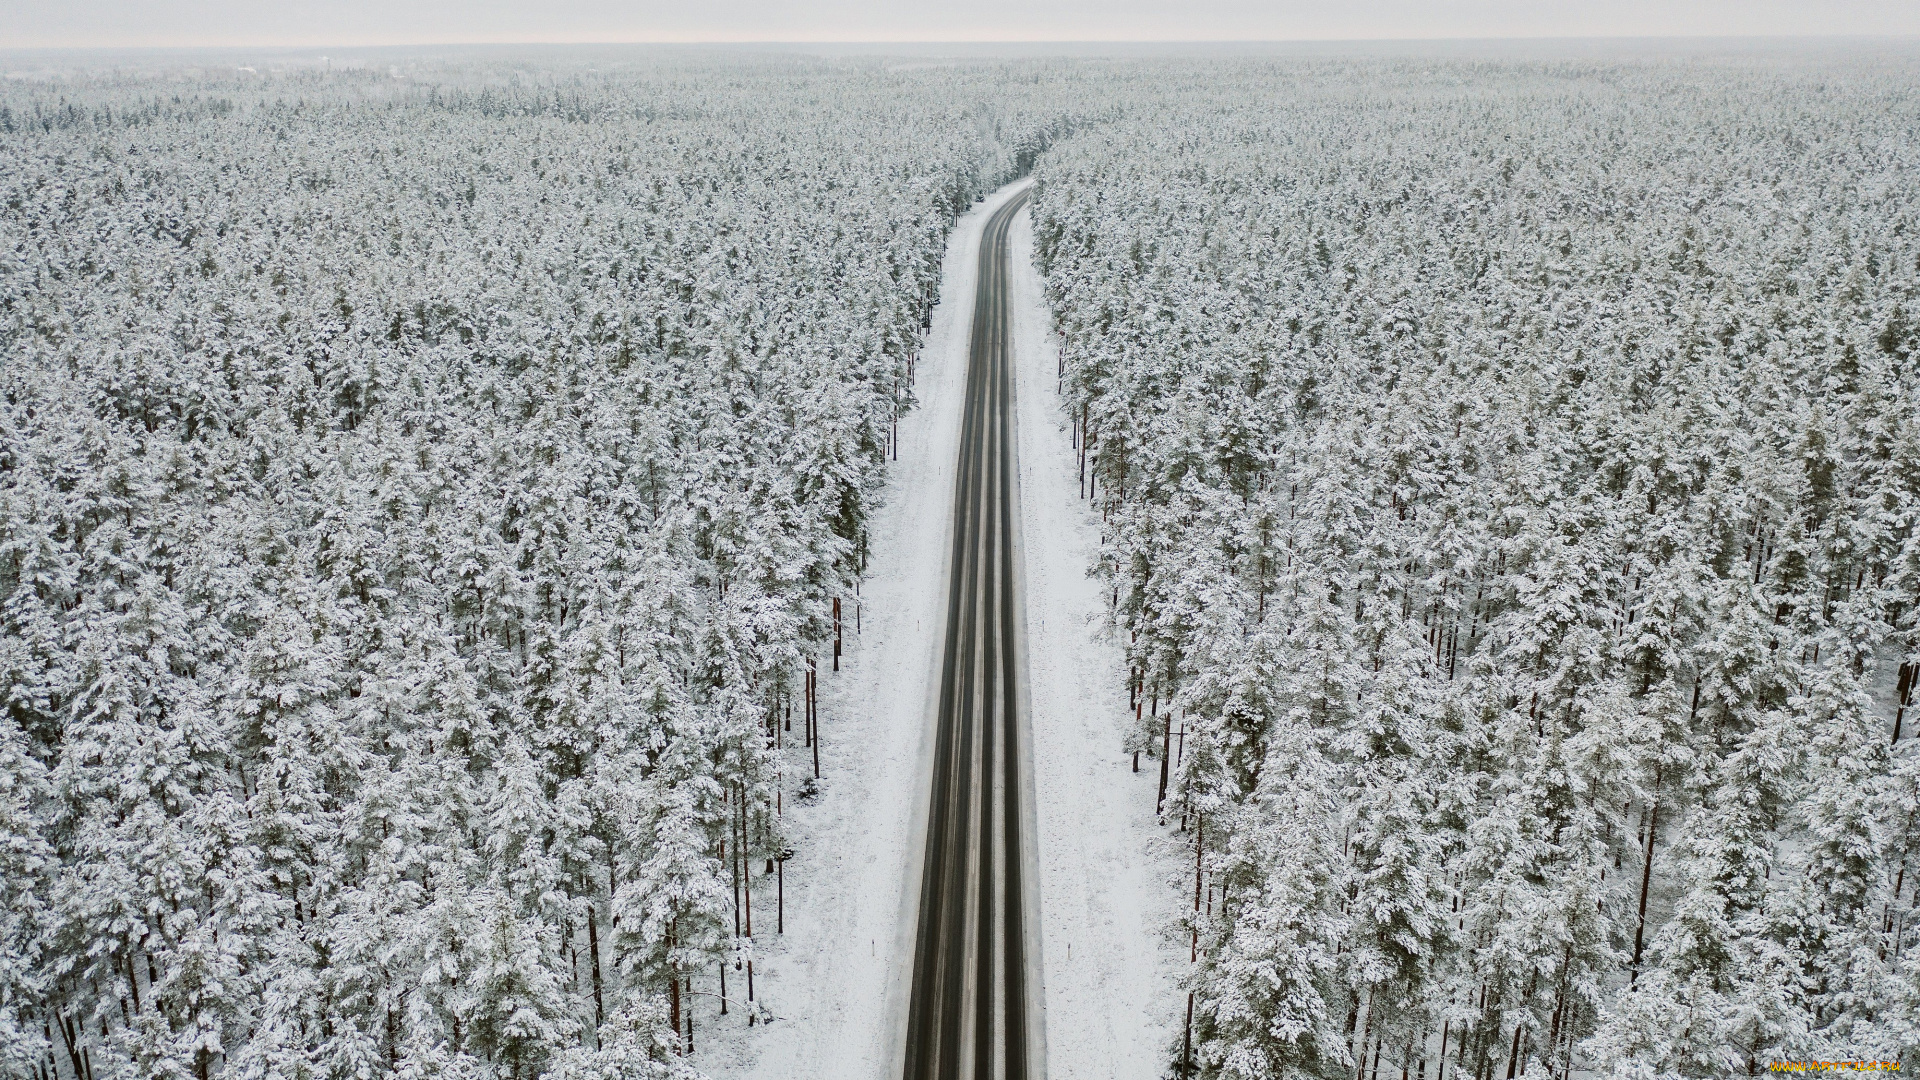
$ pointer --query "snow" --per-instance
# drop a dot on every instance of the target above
(854, 875)
(1105, 900)
(1108, 968)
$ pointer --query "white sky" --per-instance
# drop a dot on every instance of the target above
(124, 23)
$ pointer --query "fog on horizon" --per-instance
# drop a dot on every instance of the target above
(216, 23)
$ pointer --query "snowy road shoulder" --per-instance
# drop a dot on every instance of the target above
(1109, 971)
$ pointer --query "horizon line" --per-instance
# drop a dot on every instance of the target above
(1887, 38)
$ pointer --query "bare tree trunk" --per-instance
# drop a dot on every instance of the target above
(1186, 1050)
(747, 882)
(71, 1040)
(1903, 696)
(1559, 1005)
(1366, 1039)
(673, 988)
(593, 946)
(1199, 841)
(1646, 876)
(1166, 759)
(733, 867)
(816, 729)
(133, 984)
(745, 855)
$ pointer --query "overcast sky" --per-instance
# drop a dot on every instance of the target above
(82, 23)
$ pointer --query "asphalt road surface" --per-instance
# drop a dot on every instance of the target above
(968, 1016)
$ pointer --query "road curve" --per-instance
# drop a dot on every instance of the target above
(968, 1015)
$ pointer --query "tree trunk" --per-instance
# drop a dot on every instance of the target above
(1646, 876)
(1186, 1048)
(1903, 696)
(1199, 849)
(68, 1037)
(593, 946)
(673, 989)
(733, 867)
(1166, 763)
(1366, 1039)
(745, 855)
(1559, 1005)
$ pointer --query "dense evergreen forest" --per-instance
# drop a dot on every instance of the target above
(419, 503)
(1510, 476)
(424, 495)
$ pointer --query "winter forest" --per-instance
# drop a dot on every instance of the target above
(1510, 479)
(429, 495)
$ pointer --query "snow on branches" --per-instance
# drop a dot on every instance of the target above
(418, 501)
(1510, 479)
